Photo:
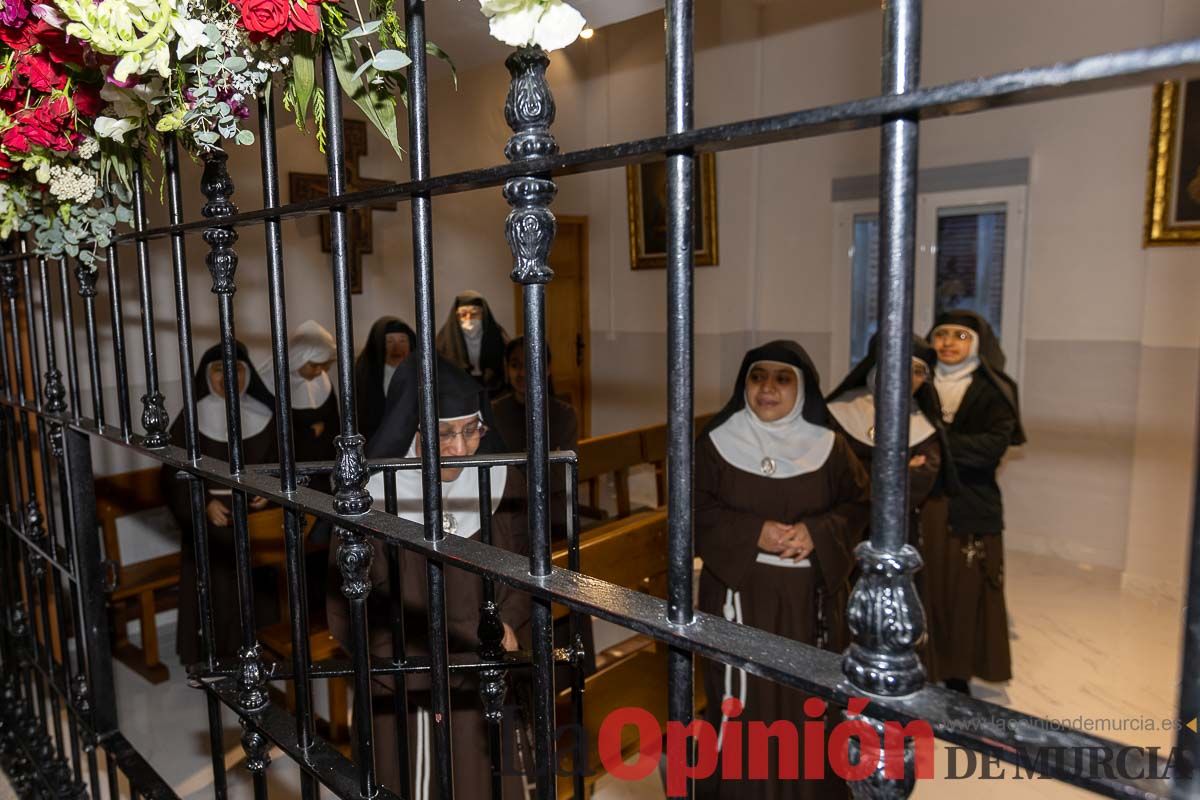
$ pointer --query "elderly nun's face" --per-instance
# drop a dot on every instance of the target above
(217, 383)
(771, 389)
(953, 343)
(397, 345)
(457, 437)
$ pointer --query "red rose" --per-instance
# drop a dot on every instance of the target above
(37, 71)
(14, 139)
(40, 136)
(263, 18)
(306, 17)
(87, 101)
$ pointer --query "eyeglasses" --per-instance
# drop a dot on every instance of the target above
(949, 333)
(471, 433)
(919, 370)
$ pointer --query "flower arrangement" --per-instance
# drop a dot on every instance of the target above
(84, 82)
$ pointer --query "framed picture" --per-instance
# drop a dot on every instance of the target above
(1173, 187)
(647, 190)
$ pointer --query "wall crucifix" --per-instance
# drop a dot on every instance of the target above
(305, 186)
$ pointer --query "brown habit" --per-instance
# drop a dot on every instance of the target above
(731, 506)
(464, 596)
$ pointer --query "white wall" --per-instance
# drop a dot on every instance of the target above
(1110, 335)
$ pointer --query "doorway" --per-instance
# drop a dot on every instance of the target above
(567, 327)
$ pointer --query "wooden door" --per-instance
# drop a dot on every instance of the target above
(567, 329)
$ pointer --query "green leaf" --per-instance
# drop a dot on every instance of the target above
(304, 75)
(391, 60)
(363, 68)
(235, 64)
(363, 30)
(212, 34)
(245, 138)
(379, 107)
(210, 67)
(438, 53)
(207, 137)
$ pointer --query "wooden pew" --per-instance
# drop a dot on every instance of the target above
(631, 553)
(616, 454)
(144, 588)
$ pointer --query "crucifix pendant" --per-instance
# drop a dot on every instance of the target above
(972, 550)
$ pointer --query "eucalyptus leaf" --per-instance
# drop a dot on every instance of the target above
(363, 68)
(363, 30)
(207, 137)
(235, 64)
(391, 60)
(210, 67)
(212, 34)
(245, 138)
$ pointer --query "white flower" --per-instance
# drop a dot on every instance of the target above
(190, 33)
(87, 148)
(560, 25)
(549, 24)
(490, 7)
(516, 28)
(115, 129)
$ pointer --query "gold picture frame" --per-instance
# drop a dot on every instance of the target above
(1173, 187)
(647, 201)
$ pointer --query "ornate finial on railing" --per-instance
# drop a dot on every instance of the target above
(887, 622)
(529, 111)
(258, 755)
(252, 680)
(86, 276)
(491, 648)
(350, 475)
(36, 532)
(55, 391)
(354, 561)
(217, 186)
(8, 280)
(155, 420)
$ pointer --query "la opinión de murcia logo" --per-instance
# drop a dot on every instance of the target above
(809, 750)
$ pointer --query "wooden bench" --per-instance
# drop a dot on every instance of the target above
(631, 553)
(616, 454)
(277, 639)
(144, 588)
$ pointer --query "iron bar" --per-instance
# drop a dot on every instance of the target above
(681, 177)
(86, 278)
(293, 539)
(68, 325)
(442, 764)
(154, 412)
(191, 442)
(118, 339)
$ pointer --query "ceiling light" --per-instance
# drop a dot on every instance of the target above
(587, 33)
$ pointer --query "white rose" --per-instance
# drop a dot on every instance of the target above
(516, 28)
(492, 7)
(560, 25)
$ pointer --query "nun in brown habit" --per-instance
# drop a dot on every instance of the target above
(781, 501)
(852, 412)
(463, 430)
(257, 406)
(473, 340)
(961, 533)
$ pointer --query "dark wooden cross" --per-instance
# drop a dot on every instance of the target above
(304, 186)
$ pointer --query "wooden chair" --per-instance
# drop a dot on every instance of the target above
(277, 639)
(143, 588)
